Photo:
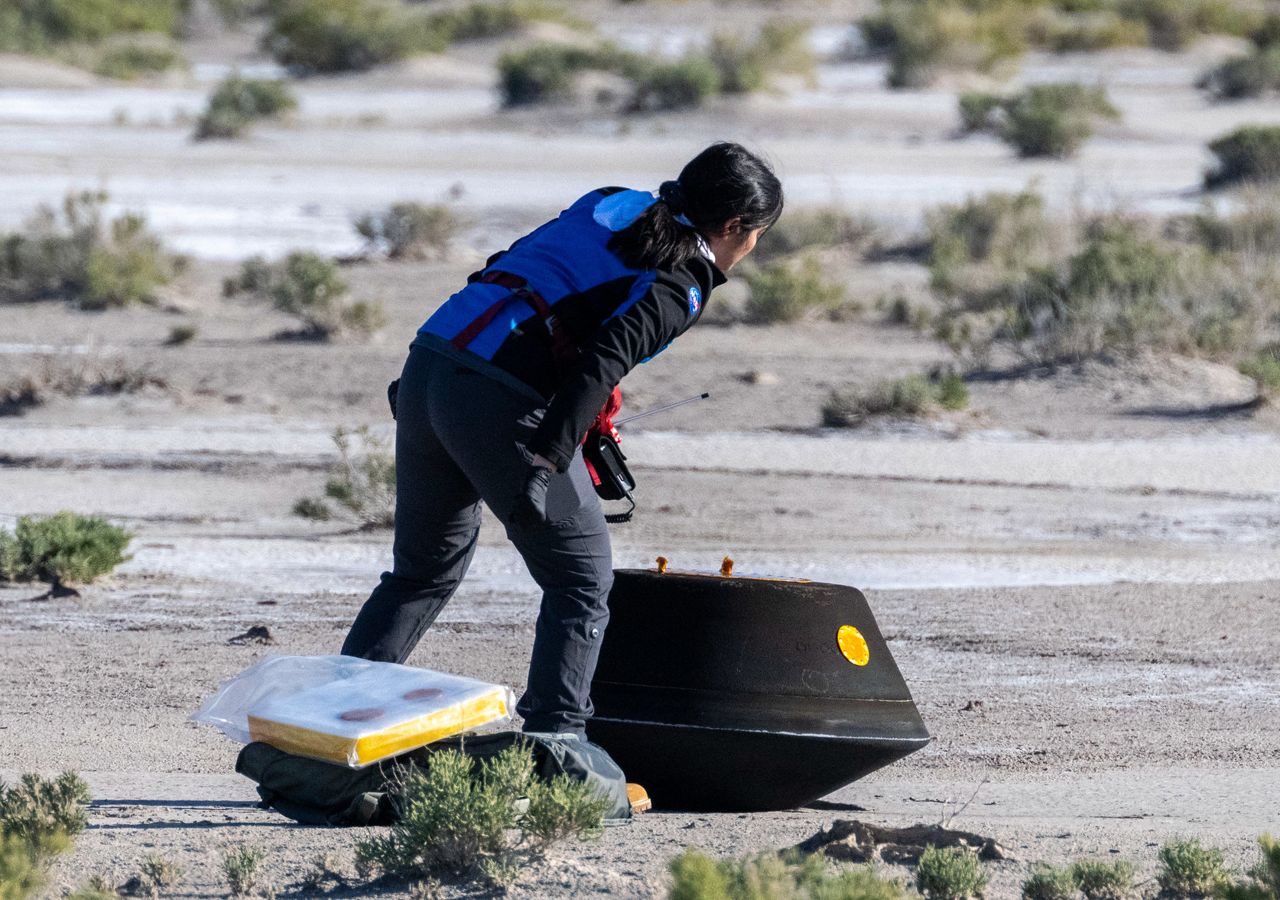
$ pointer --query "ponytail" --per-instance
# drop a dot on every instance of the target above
(723, 182)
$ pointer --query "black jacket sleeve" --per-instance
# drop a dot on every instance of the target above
(622, 342)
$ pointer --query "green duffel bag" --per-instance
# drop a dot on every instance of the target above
(322, 793)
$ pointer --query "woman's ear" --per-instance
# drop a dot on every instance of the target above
(733, 226)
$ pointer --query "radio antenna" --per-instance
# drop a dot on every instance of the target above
(651, 412)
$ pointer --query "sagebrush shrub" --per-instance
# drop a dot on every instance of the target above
(949, 873)
(1053, 119)
(347, 35)
(462, 817)
(1263, 882)
(785, 291)
(1250, 153)
(240, 866)
(1049, 883)
(238, 102)
(770, 876)
(1100, 880)
(308, 287)
(1188, 869)
(44, 812)
(409, 230)
(62, 549)
(83, 256)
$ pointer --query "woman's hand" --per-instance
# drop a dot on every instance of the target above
(530, 509)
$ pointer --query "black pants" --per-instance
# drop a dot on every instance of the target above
(460, 439)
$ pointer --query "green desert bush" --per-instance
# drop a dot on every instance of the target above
(238, 102)
(134, 59)
(347, 35)
(561, 809)
(923, 38)
(1003, 272)
(1053, 119)
(1189, 870)
(785, 291)
(1264, 368)
(23, 867)
(409, 230)
(974, 246)
(908, 397)
(62, 549)
(481, 20)
(1049, 883)
(949, 873)
(978, 109)
(1263, 882)
(1248, 154)
(1252, 226)
(683, 84)
(770, 876)
(38, 809)
(307, 286)
(362, 484)
(84, 257)
(546, 71)
(32, 27)
(814, 229)
(1248, 75)
(241, 866)
(744, 65)
(462, 817)
(1172, 24)
(1099, 880)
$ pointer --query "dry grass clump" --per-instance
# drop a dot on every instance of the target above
(84, 257)
(769, 876)
(1051, 120)
(87, 378)
(159, 875)
(241, 867)
(237, 102)
(462, 818)
(409, 230)
(1250, 154)
(307, 286)
(902, 398)
(362, 484)
(1003, 272)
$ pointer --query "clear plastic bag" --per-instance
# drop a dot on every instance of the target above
(347, 710)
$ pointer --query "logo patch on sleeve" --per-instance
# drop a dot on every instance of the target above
(695, 301)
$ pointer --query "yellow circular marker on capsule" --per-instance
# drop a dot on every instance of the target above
(853, 645)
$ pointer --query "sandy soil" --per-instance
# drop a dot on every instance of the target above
(1077, 575)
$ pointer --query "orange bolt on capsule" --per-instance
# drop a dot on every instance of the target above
(662, 565)
(726, 567)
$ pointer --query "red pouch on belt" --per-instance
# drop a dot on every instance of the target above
(603, 427)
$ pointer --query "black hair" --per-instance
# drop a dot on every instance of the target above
(723, 182)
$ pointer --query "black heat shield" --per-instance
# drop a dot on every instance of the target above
(732, 694)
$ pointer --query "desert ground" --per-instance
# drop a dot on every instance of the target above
(1078, 575)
